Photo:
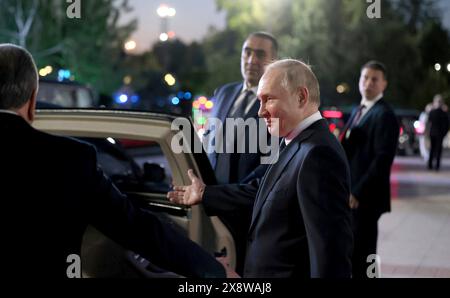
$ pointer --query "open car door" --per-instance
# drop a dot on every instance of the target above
(134, 149)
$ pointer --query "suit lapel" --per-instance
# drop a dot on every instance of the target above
(371, 112)
(274, 172)
(228, 101)
(253, 112)
(223, 108)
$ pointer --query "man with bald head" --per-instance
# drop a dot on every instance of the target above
(301, 221)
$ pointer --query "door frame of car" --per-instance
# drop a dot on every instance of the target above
(147, 126)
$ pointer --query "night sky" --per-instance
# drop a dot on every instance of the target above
(193, 19)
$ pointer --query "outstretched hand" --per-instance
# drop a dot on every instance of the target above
(228, 270)
(188, 195)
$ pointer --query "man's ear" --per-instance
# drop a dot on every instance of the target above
(302, 96)
(32, 106)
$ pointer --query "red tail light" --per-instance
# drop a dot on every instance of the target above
(332, 114)
(332, 127)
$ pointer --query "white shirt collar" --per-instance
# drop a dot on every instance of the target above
(8, 112)
(371, 103)
(253, 89)
(302, 126)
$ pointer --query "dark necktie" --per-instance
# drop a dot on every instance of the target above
(227, 165)
(352, 123)
(357, 116)
(239, 112)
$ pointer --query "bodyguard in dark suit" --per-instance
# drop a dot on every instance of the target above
(370, 142)
(301, 220)
(438, 124)
(238, 101)
(51, 189)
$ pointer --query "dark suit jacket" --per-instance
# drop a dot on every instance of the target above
(240, 164)
(301, 224)
(438, 122)
(371, 149)
(51, 189)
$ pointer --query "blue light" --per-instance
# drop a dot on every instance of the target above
(61, 75)
(64, 74)
(180, 95)
(175, 100)
(188, 95)
(135, 98)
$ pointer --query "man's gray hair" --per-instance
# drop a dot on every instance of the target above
(298, 74)
(18, 76)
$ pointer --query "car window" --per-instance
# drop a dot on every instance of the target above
(133, 165)
(69, 95)
(84, 98)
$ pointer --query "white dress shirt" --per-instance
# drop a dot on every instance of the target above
(8, 112)
(368, 104)
(241, 97)
(302, 126)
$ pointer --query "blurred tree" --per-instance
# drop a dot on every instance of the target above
(147, 70)
(185, 62)
(336, 37)
(91, 47)
(222, 51)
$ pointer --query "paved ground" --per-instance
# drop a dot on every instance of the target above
(414, 239)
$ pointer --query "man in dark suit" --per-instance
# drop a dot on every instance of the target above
(301, 220)
(52, 189)
(370, 142)
(438, 123)
(238, 101)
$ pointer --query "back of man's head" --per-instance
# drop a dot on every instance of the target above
(18, 76)
(298, 74)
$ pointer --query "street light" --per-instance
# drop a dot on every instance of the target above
(165, 12)
(130, 45)
(163, 37)
(170, 79)
(45, 71)
(448, 67)
(437, 67)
